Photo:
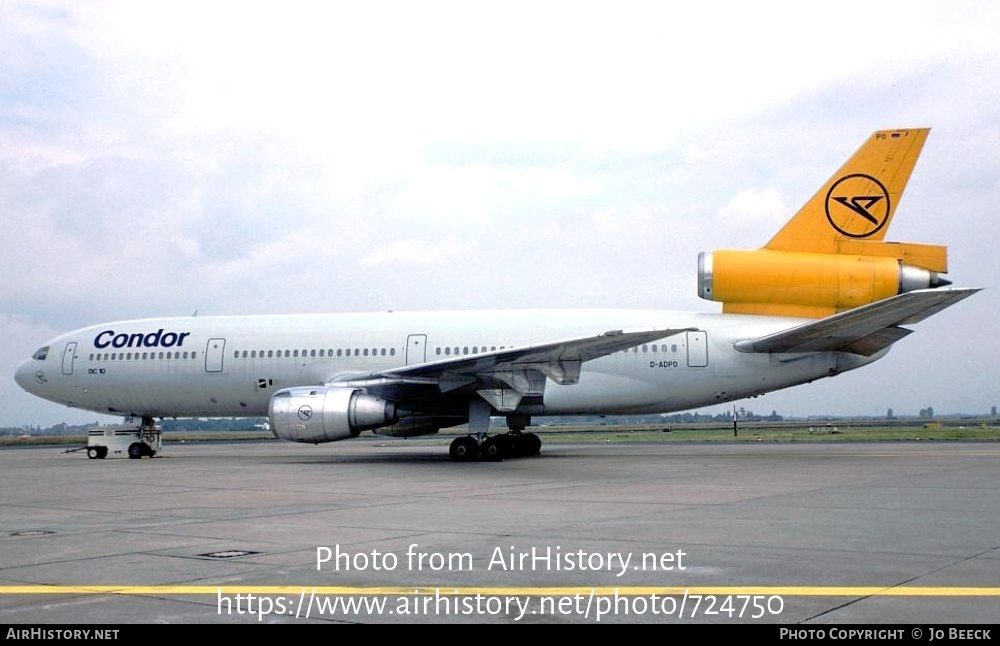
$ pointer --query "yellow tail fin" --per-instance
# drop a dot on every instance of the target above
(858, 202)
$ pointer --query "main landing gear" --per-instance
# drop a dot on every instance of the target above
(495, 448)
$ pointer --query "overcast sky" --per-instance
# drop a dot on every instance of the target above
(236, 158)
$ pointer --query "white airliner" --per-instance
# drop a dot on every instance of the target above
(824, 296)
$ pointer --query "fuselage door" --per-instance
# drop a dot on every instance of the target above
(697, 347)
(213, 355)
(416, 349)
(68, 355)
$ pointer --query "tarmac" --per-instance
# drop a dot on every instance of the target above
(393, 531)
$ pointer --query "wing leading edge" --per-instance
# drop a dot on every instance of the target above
(864, 330)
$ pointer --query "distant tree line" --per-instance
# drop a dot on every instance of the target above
(168, 425)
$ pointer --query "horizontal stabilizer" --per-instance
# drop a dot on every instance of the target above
(864, 330)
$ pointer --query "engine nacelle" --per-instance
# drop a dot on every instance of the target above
(326, 414)
(802, 283)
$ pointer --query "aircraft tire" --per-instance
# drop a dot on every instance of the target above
(464, 449)
(494, 448)
(523, 444)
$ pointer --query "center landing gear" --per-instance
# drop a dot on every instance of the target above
(524, 444)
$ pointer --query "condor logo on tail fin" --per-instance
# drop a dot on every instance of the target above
(858, 195)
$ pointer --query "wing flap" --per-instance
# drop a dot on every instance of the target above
(864, 330)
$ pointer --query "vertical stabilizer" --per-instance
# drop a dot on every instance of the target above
(858, 202)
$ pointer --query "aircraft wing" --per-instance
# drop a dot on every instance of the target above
(521, 369)
(864, 330)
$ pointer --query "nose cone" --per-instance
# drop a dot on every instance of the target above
(30, 377)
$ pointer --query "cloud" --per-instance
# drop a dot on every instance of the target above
(759, 209)
(416, 252)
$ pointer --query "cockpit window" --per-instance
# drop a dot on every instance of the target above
(41, 353)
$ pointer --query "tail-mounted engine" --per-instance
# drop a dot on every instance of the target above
(791, 283)
(327, 414)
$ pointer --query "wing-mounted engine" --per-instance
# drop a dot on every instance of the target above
(326, 414)
(798, 283)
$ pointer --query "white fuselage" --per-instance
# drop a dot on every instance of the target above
(231, 366)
